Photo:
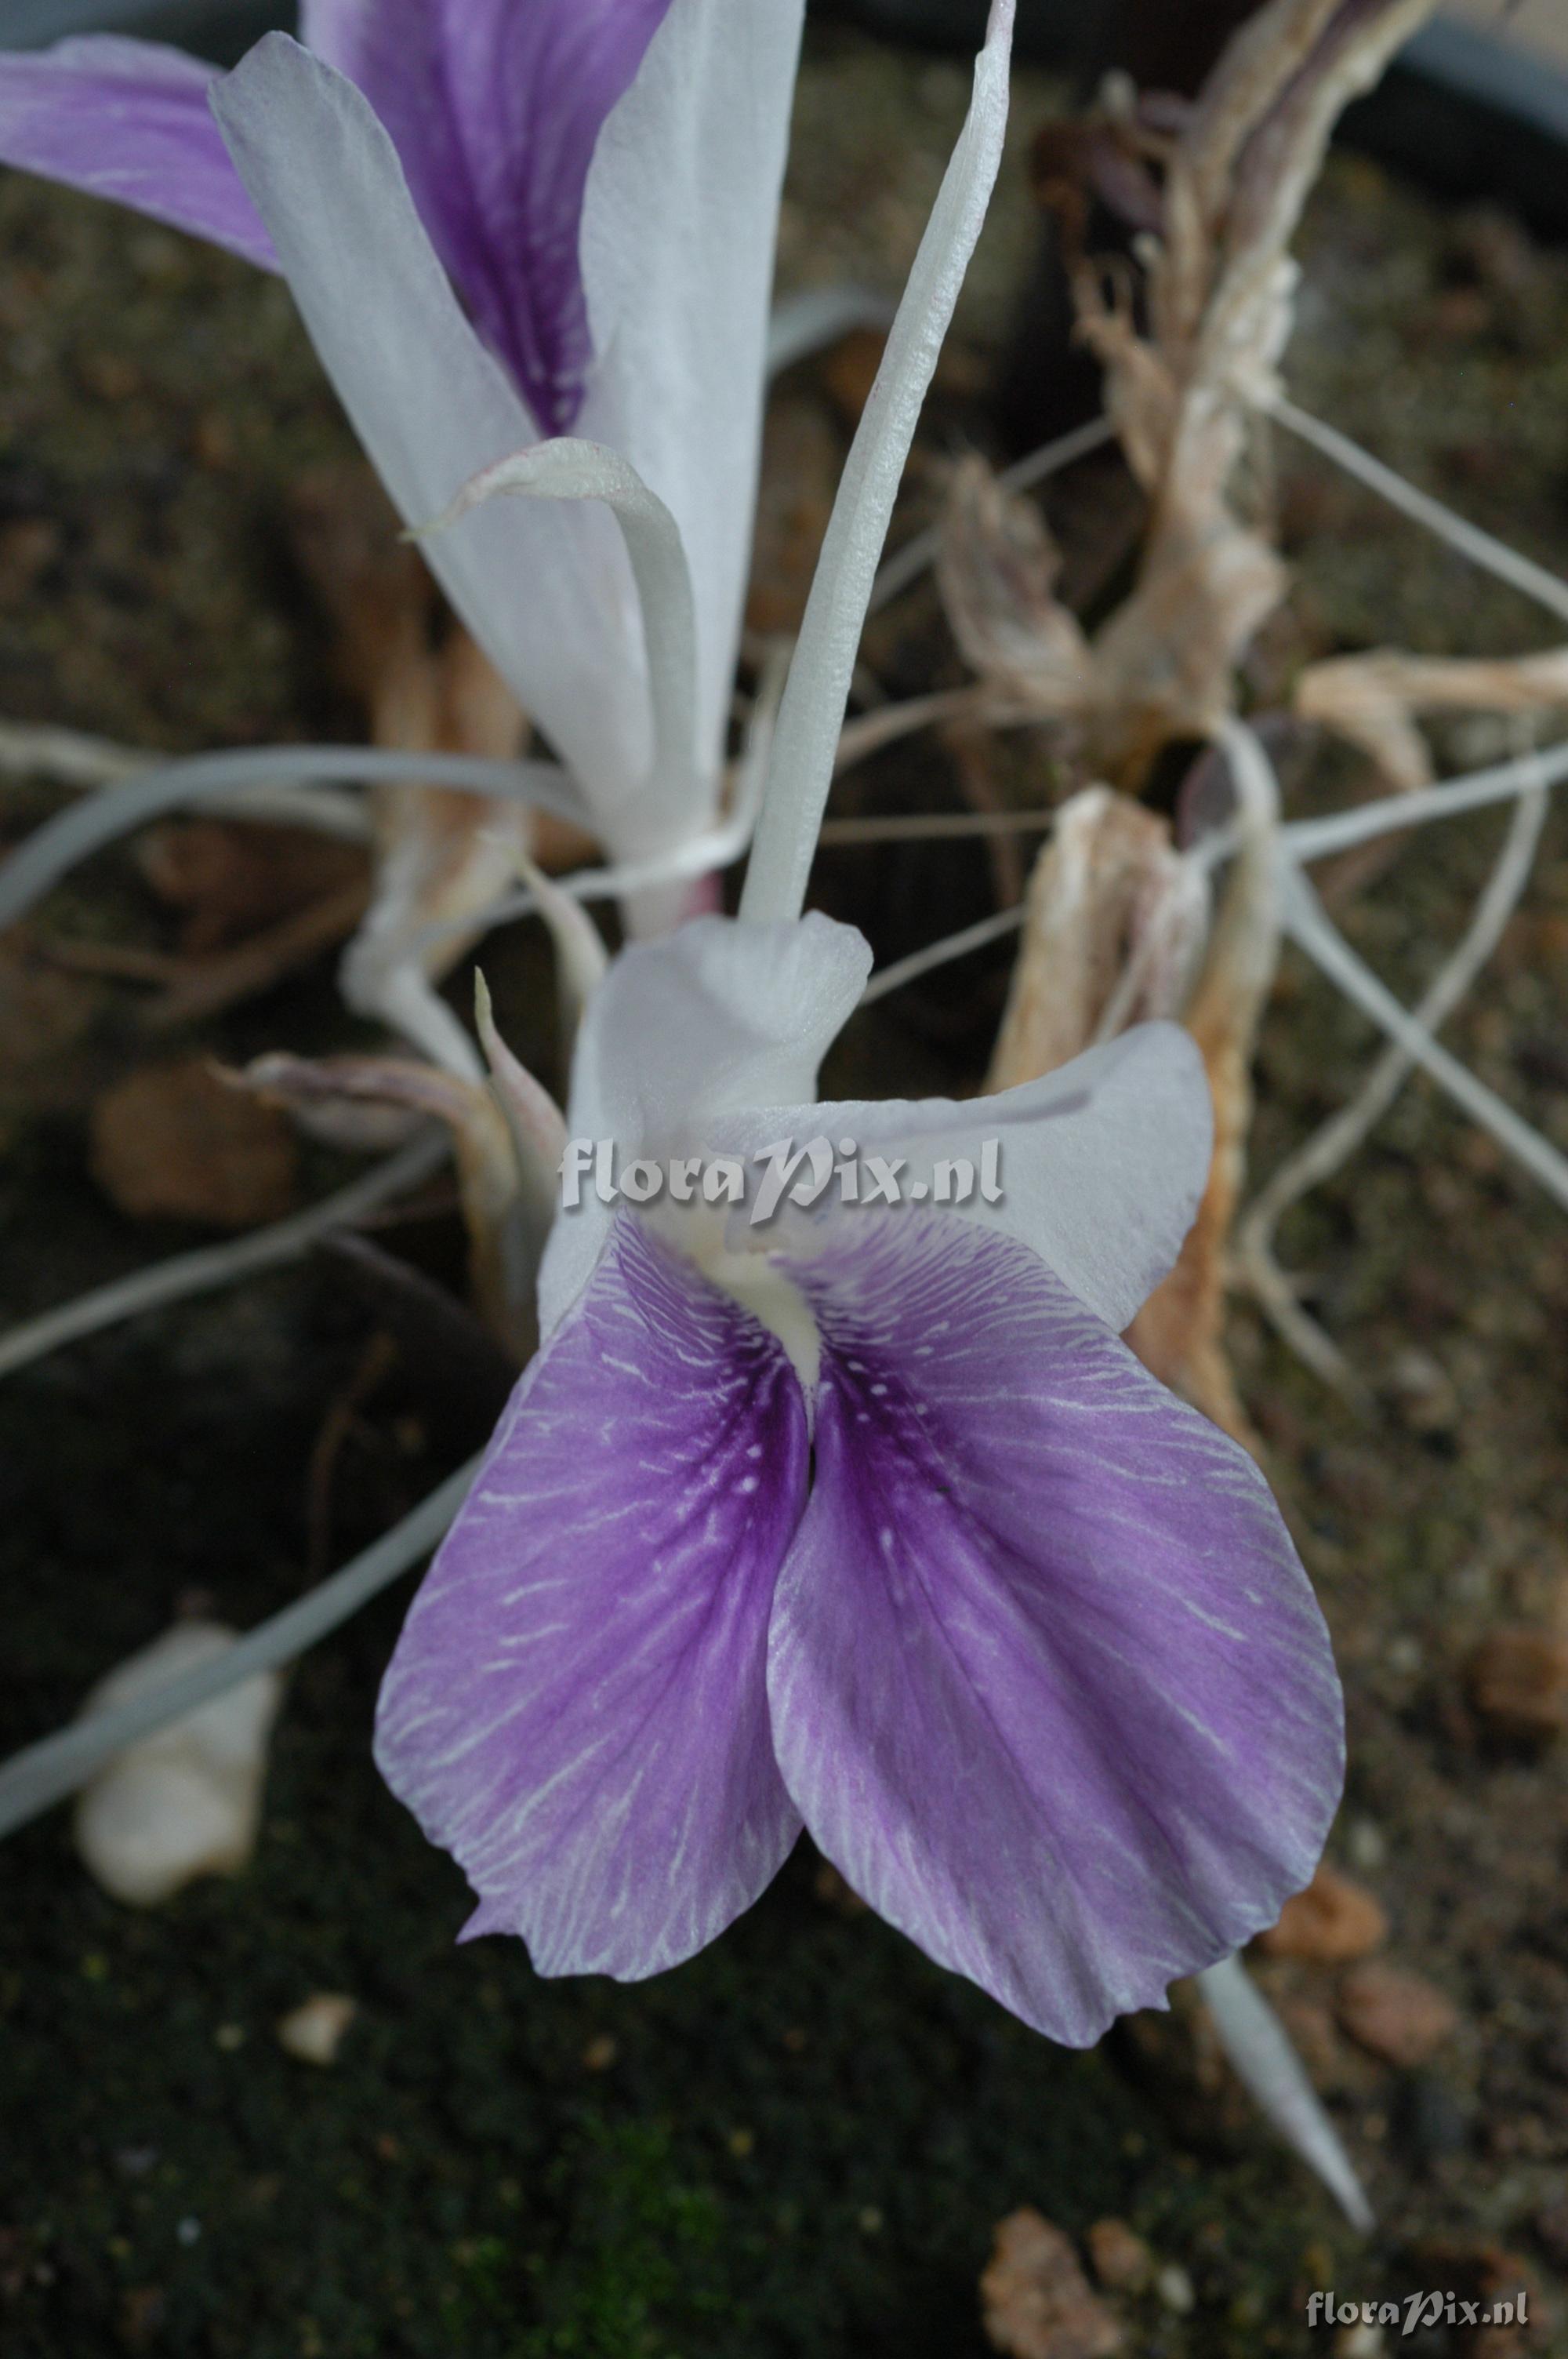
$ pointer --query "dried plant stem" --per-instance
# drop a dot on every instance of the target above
(1180, 1332)
(261, 960)
(1328, 1148)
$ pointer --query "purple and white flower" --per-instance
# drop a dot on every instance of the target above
(869, 1524)
(505, 220)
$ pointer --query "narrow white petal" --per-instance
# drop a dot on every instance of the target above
(1255, 2040)
(1102, 1164)
(547, 592)
(672, 800)
(813, 710)
(679, 226)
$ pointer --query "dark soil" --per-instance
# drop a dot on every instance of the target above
(797, 2147)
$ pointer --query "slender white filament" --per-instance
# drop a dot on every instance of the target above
(1329, 1146)
(54, 849)
(1493, 556)
(935, 955)
(807, 740)
(46, 1773)
(1314, 839)
(1309, 926)
(211, 1266)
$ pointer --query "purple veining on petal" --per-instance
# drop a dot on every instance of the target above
(577, 1707)
(129, 120)
(496, 109)
(1048, 1681)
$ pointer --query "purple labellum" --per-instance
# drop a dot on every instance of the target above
(1048, 1682)
(1044, 1676)
(578, 1705)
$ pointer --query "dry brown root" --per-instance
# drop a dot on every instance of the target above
(1183, 394)
(1371, 701)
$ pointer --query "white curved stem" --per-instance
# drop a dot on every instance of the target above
(211, 1266)
(54, 849)
(46, 1773)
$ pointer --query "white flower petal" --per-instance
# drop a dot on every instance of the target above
(546, 591)
(1102, 1164)
(679, 224)
(683, 1037)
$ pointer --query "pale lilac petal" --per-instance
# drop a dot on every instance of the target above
(129, 120)
(576, 1708)
(679, 231)
(1047, 1679)
(684, 1035)
(495, 109)
(546, 590)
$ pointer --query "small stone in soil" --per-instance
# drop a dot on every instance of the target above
(1334, 1921)
(314, 2031)
(1035, 2299)
(1395, 2015)
(1122, 2261)
(1516, 1682)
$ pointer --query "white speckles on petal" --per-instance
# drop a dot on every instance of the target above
(1047, 1680)
(576, 1706)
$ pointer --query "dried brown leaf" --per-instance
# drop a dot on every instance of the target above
(1370, 700)
(506, 1208)
(996, 569)
(172, 1143)
(1114, 913)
